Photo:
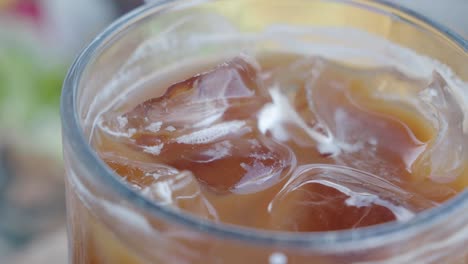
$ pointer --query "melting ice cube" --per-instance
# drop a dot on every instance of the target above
(205, 125)
(328, 197)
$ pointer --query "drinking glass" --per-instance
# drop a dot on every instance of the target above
(108, 222)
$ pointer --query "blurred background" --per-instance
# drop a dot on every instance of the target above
(38, 41)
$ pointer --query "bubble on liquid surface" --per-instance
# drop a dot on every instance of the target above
(278, 258)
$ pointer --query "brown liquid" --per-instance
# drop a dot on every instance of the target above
(199, 147)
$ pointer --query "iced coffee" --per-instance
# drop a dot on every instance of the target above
(292, 143)
(273, 149)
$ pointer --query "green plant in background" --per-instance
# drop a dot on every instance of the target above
(30, 86)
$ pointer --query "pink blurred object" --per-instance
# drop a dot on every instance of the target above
(28, 9)
(60, 26)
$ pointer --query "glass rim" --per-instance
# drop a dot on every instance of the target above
(329, 240)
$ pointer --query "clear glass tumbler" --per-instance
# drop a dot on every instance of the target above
(110, 223)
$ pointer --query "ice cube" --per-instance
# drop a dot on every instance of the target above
(295, 123)
(139, 174)
(206, 125)
(163, 184)
(276, 116)
(181, 191)
(343, 111)
(205, 98)
(227, 158)
(230, 91)
(286, 83)
(342, 100)
(368, 114)
(446, 156)
(329, 197)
